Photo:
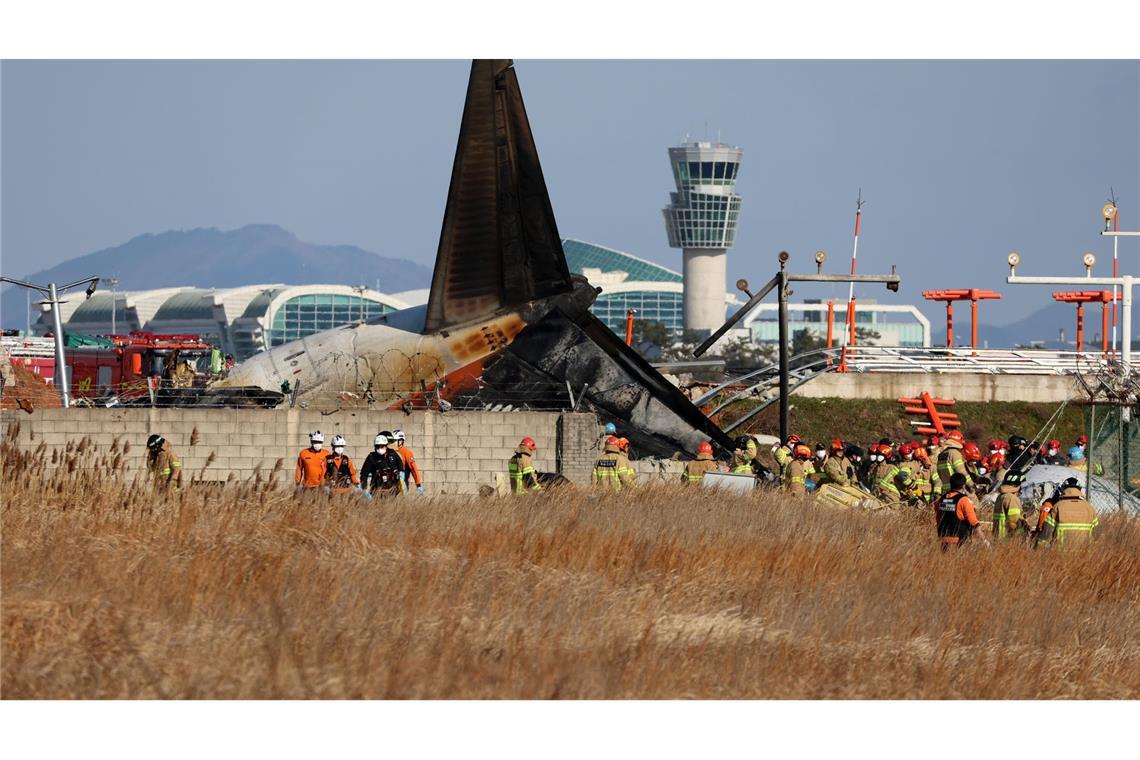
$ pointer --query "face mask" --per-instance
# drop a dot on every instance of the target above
(981, 470)
(381, 449)
(909, 457)
(1052, 452)
(317, 445)
(338, 450)
(820, 454)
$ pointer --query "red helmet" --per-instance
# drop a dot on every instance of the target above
(956, 435)
(997, 445)
(836, 445)
(1084, 439)
(885, 450)
(933, 440)
(528, 443)
(793, 439)
(801, 452)
(704, 448)
(1054, 443)
(972, 452)
(612, 441)
(906, 448)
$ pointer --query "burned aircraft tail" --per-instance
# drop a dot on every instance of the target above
(499, 245)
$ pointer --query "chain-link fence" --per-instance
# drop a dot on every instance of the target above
(1114, 445)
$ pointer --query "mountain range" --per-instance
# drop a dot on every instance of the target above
(213, 258)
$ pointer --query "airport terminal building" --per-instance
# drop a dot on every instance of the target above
(254, 318)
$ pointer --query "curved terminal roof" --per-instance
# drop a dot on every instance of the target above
(187, 306)
(581, 255)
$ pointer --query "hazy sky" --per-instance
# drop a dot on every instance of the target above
(960, 162)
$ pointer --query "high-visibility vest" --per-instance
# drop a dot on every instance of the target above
(518, 474)
(606, 473)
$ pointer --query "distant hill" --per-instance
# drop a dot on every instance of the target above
(213, 258)
(1042, 326)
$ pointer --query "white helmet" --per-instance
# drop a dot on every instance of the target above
(317, 436)
(380, 440)
(398, 434)
(338, 440)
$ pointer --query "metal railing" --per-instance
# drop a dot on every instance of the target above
(996, 361)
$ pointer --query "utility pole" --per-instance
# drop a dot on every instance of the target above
(53, 293)
(113, 281)
(780, 282)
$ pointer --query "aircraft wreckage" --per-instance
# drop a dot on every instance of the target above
(504, 314)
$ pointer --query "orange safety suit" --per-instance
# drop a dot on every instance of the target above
(340, 473)
(410, 467)
(311, 468)
(955, 518)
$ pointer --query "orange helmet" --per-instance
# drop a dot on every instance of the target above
(972, 453)
(921, 454)
(801, 452)
(885, 450)
(994, 461)
(704, 448)
(836, 445)
(623, 443)
(956, 435)
(528, 443)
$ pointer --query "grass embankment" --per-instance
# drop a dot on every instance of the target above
(864, 421)
(248, 592)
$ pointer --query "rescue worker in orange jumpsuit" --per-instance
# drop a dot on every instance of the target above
(695, 469)
(311, 463)
(340, 473)
(411, 469)
(955, 517)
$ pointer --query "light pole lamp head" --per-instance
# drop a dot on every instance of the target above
(1013, 260)
(893, 285)
(1108, 210)
(91, 287)
(783, 257)
(742, 286)
(820, 257)
(1089, 259)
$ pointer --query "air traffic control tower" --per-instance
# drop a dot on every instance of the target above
(701, 220)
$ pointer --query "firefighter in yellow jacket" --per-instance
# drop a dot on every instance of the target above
(887, 477)
(951, 460)
(161, 462)
(626, 474)
(695, 470)
(795, 474)
(1007, 507)
(1067, 518)
(611, 471)
(521, 468)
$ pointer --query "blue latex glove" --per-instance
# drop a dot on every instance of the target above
(420, 490)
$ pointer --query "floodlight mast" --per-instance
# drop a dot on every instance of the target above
(780, 282)
(52, 292)
(1124, 282)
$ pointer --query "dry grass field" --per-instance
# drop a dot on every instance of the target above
(248, 592)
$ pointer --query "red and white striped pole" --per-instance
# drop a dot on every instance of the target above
(1115, 267)
(849, 333)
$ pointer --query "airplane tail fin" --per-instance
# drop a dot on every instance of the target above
(499, 245)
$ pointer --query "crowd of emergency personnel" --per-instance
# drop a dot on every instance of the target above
(946, 474)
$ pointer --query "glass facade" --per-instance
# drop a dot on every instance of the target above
(651, 306)
(894, 328)
(304, 315)
(704, 212)
(580, 255)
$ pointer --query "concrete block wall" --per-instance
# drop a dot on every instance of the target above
(457, 451)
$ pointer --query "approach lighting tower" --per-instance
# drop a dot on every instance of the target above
(701, 220)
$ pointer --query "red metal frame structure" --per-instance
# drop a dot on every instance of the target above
(939, 421)
(973, 295)
(1080, 298)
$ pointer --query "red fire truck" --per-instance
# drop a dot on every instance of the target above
(141, 364)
